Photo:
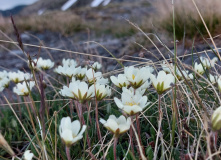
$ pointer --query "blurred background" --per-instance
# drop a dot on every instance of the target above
(70, 24)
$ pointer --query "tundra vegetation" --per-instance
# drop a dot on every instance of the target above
(165, 109)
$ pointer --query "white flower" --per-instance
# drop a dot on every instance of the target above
(190, 76)
(207, 63)
(66, 70)
(133, 91)
(19, 76)
(117, 125)
(28, 155)
(78, 90)
(137, 76)
(216, 119)
(185, 73)
(70, 131)
(3, 74)
(149, 68)
(102, 91)
(96, 66)
(213, 61)
(145, 86)
(81, 72)
(212, 78)
(44, 64)
(69, 62)
(162, 82)
(92, 76)
(199, 68)
(120, 81)
(1, 88)
(102, 80)
(219, 83)
(4, 82)
(166, 67)
(22, 89)
(131, 103)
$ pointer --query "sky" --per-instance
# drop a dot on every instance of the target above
(8, 4)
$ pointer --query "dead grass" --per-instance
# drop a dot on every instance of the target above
(62, 22)
(186, 17)
(84, 18)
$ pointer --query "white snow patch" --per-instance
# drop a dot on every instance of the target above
(96, 3)
(41, 11)
(68, 4)
(106, 2)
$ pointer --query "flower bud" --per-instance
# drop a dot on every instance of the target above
(216, 119)
(28, 155)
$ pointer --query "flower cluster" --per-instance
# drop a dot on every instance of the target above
(16, 77)
(43, 64)
(4, 80)
(85, 83)
(169, 69)
(19, 76)
(23, 80)
(68, 68)
(132, 76)
(204, 64)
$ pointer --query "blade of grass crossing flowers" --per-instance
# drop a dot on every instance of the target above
(206, 29)
(108, 52)
(175, 66)
(22, 125)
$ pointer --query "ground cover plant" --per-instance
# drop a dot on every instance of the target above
(146, 110)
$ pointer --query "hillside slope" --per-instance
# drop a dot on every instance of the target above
(48, 5)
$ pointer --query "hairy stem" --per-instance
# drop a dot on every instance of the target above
(131, 138)
(159, 126)
(71, 101)
(138, 130)
(83, 121)
(115, 148)
(97, 123)
(68, 152)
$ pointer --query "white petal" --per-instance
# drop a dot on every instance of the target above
(112, 125)
(102, 121)
(82, 130)
(134, 108)
(118, 102)
(67, 136)
(113, 117)
(121, 120)
(75, 127)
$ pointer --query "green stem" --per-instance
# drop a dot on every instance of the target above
(159, 126)
(175, 66)
(86, 132)
(173, 125)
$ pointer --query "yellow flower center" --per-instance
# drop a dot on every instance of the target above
(133, 76)
(22, 90)
(131, 103)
